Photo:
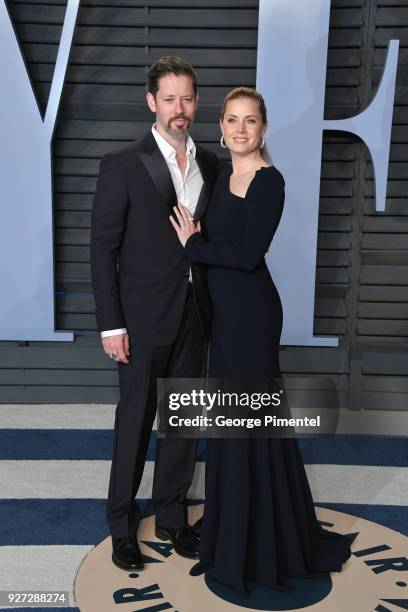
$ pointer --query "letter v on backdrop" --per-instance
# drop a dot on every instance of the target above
(291, 73)
(26, 225)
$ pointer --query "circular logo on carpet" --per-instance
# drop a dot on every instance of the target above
(375, 578)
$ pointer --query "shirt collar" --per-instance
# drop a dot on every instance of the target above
(166, 148)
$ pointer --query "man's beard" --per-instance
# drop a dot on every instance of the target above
(176, 131)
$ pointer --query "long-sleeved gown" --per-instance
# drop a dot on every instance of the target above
(259, 523)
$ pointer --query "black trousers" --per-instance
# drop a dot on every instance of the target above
(135, 413)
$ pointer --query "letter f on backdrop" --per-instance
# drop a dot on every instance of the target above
(26, 223)
(291, 74)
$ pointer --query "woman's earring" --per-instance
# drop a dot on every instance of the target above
(262, 143)
(222, 142)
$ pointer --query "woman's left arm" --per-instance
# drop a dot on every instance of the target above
(265, 205)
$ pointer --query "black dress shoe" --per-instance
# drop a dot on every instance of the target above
(199, 568)
(184, 540)
(126, 554)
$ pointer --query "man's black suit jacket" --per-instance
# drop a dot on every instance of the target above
(138, 265)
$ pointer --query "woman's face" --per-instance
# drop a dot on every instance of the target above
(242, 125)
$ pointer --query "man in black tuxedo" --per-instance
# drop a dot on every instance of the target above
(152, 305)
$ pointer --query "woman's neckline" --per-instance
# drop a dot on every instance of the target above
(250, 183)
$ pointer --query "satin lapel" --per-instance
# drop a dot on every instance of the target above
(156, 166)
(208, 174)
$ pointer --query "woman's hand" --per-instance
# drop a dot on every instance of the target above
(185, 226)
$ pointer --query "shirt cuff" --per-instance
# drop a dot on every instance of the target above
(113, 332)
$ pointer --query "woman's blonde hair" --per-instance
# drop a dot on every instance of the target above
(245, 92)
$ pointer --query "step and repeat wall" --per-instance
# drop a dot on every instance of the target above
(361, 291)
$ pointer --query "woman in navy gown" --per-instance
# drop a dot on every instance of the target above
(259, 523)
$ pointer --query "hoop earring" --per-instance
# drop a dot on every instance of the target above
(262, 143)
(222, 142)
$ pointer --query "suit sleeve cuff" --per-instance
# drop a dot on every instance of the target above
(196, 237)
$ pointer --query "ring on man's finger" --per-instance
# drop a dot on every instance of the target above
(114, 356)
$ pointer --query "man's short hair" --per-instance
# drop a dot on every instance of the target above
(169, 65)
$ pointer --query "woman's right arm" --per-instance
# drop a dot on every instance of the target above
(265, 205)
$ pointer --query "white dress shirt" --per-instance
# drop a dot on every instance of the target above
(187, 187)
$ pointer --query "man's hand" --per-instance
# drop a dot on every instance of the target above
(117, 347)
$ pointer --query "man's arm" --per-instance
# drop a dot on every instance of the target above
(108, 223)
